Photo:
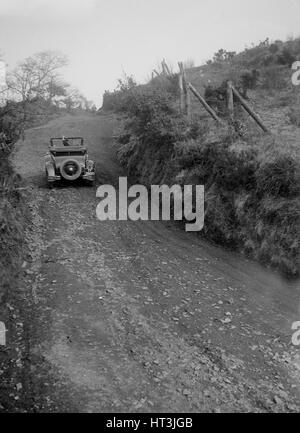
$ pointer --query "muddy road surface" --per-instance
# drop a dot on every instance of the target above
(142, 316)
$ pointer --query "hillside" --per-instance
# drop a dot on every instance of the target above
(273, 97)
(251, 178)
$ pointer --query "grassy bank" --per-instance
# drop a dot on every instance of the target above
(14, 297)
(13, 220)
(252, 201)
(13, 212)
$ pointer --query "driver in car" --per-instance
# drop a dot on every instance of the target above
(65, 141)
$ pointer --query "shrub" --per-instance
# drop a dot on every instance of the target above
(115, 100)
(145, 105)
(272, 78)
(151, 131)
(280, 235)
(220, 222)
(126, 83)
(216, 97)
(294, 115)
(12, 219)
(196, 154)
(274, 48)
(249, 80)
(223, 56)
(286, 57)
(278, 177)
(234, 171)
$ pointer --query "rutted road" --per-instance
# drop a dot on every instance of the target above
(141, 316)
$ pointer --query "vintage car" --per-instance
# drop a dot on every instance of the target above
(67, 159)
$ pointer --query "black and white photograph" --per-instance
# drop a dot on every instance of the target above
(149, 209)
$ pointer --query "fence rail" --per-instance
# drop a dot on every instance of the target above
(186, 87)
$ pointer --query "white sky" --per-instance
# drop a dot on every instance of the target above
(104, 37)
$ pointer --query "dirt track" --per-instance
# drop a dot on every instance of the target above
(141, 316)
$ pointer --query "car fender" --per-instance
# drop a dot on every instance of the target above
(50, 168)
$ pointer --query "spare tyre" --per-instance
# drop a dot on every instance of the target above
(70, 169)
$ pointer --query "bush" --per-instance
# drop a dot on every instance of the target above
(146, 105)
(16, 116)
(113, 101)
(12, 220)
(278, 177)
(220, 222)
(193, 153)
(274, 48)
(294, 115)
(249, 80)
(272, 78)
(216, 97)
(152, 128)
(223, 56)
(234, 171)
(286, 57)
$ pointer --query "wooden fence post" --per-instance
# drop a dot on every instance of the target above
(166, 68)
(180, 83)
(205, 105)
(230, 105)
(249, 110)
(185, 95)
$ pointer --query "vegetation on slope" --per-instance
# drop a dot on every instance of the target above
(251, 180)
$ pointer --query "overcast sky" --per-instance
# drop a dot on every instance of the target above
(102, 38)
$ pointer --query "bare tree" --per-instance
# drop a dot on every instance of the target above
(3, 85)
(38, 76)
(76, 100)
(73, 99)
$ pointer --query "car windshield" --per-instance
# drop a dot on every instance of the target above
(67, 141)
